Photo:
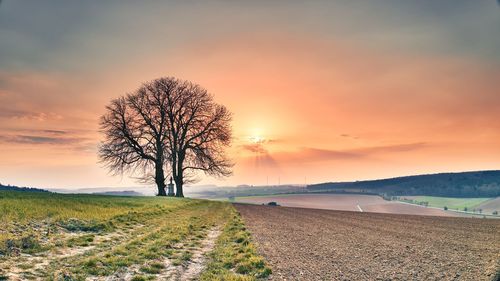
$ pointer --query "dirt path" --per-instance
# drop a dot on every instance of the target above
(191, 269)
(308, 244)
(188, 270)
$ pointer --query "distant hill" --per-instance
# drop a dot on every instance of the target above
(120, 193)
(467, 184)
(17, 188)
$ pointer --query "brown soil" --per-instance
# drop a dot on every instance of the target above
(311, 244)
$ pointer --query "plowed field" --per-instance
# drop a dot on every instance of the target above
(311, 244)
(347, 202)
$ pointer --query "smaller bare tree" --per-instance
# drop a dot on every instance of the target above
(198, 132)
(134, 127)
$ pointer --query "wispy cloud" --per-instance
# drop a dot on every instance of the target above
(406, 147)
(32, 139)
(349, 136)
(254, 147)
(28, 115)
(311, 154)
(55, 132)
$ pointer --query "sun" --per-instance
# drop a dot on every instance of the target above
(256, 136)
(256, 139)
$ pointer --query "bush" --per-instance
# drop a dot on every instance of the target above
(445, 208)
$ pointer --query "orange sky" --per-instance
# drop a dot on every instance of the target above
(308, 105)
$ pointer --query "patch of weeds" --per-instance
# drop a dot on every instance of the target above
(81, 241)
(75, 225)
(28, 244)
(139, 278)
(153, 268)
(168, 253)
(25, 266)
(186, 256)
(90, 263)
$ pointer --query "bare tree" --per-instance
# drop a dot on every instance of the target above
(134, 126)
(167, 124)
(199, 131)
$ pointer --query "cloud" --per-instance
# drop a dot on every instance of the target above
(55, 132)
(28, 115)
(311, 154)
(392, 148)
(349, 136)
(32, 139)
(258, 145)
(255, 148)
(45, 137)
(262, 158)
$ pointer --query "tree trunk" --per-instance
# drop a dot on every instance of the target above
(160, 179)
(178, 186)
(179, 180)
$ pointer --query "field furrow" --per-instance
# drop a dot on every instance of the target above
(311, 244)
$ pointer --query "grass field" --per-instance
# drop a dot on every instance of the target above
(451, 203)
(91, 237)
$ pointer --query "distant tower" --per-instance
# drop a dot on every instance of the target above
(170, 188)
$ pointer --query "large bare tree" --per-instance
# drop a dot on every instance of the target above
(166, 124)
(198, 131)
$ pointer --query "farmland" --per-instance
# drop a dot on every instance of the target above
(313, 244)
(90, 237)
(345, 202)
(455, 203)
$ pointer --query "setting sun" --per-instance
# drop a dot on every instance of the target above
(256, 139)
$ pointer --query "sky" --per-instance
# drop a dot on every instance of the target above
(319, 90)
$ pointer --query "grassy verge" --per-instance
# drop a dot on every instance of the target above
(235, 256)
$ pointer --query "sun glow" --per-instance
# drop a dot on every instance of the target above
(256, 139)
(256, 136)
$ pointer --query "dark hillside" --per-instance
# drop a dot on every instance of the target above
(467, 184)
(17, 188)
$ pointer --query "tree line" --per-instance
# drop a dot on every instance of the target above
(466, 184)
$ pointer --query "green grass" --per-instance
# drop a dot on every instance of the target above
(25, 206)
(451, 203)
(235, 256)
(110, 234)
